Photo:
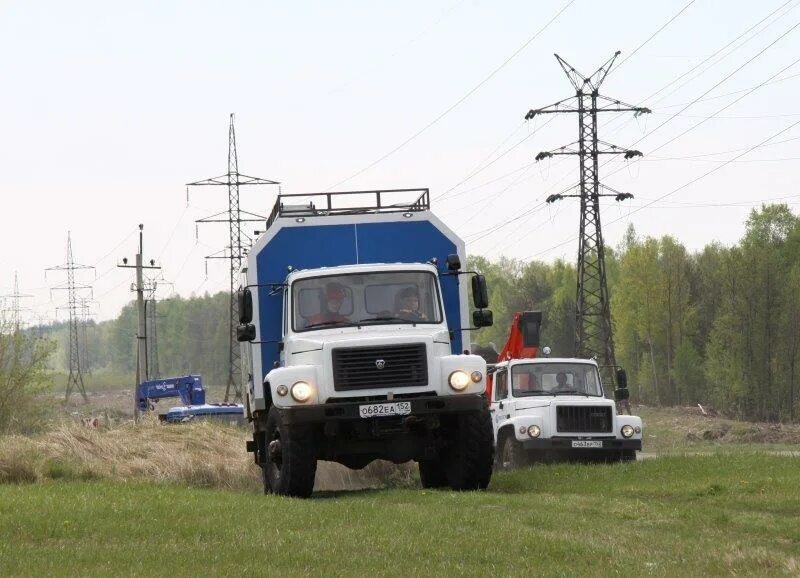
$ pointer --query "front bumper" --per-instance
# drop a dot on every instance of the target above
(565, 443)
(348, 411)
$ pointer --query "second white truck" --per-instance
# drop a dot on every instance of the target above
(550, 409)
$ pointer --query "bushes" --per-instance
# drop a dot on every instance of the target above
(22, 375)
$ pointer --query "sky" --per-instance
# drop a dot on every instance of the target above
(108, 109)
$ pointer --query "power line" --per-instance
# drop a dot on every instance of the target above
(653, 35)
(704, 61)
(453, 106)
(676, 190)
(731, 43)
(738, 69)
(732, 93)
(445, 14)
(478, 167)
(477, 170)
(714, 115)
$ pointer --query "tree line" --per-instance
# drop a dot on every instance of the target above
(720, 326)
(191, 335)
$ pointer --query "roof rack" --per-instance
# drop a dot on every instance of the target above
(350, 203)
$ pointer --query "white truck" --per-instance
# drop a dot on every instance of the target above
(354, 326)
(555, 409)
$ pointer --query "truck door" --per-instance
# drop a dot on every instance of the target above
(499, 408)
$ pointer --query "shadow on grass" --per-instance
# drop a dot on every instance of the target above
(366, 492)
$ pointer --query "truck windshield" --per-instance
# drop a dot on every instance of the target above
(529, 379)
(389, 297)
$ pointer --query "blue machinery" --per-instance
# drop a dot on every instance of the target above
(193, 396)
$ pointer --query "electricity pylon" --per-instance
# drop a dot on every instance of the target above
(593, 328)
(236, 250)
(15, 308)
(75, 376)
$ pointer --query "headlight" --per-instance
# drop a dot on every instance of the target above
(282, 390)
(627, 431)
(476, 376)
(459, 380)
(301, 391)
(534, 431)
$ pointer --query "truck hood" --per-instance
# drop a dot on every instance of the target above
(344, 334)
(537, 402)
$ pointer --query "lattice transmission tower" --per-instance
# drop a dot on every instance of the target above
(235, 252)
(14, 307)
(593, 328)
(75, 310)
(151, 287)
(85, 308)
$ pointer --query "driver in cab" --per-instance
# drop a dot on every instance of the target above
(408, 305)
(525, 382)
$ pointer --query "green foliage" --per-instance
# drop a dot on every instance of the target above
(719, 327)
(22, 375)
(516, 286)
(192, 337)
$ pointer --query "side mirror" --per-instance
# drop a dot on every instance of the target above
(482, 318)
(245, 332)
(480, 294)
(453, 262)
(622, 393)
(245, 301)
(622, 379)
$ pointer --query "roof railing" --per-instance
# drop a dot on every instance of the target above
(361, 202)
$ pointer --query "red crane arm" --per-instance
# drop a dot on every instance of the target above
(523, 337)
(523, 340)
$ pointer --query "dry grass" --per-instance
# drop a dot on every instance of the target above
(199, 454)
(677, 430)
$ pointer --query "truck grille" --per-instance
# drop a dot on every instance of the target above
(583, 419)
(387, 366)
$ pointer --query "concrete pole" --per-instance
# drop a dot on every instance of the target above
(141, 334)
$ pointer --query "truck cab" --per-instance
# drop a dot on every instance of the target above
(546, 409)
(354, 327)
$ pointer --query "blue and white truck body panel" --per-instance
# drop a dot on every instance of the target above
(296, 248)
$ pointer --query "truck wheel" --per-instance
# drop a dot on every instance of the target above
(290, 465)
(432, 474)
(628, 456)
(512, 456)
(468, 460)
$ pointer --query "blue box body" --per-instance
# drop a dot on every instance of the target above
(318, 242)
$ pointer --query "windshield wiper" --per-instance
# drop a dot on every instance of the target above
(386, 318)
(324, 323)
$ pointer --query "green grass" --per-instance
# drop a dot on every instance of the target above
(730, 514)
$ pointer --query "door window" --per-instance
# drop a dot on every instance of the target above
(501, 379)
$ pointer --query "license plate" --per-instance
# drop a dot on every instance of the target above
(587, 444)
(384, 409)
